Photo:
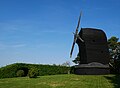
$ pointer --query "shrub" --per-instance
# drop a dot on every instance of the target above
(20, 73)
(33, 73)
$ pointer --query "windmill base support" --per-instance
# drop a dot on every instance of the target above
(91, 70)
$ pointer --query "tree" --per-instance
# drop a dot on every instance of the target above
(114, 49)
(113, 42)
(67, 63)
(77, 59)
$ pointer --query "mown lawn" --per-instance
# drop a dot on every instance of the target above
(63, 81)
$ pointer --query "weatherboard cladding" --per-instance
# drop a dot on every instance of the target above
(94, 48)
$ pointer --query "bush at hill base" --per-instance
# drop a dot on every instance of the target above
(20, 73)
(33, 73)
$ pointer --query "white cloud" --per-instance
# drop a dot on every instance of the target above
(18, 45)
(4, 46)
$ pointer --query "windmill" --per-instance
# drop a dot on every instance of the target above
(93, 50)
(76, 35)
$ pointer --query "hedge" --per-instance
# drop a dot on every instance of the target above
(11, 70)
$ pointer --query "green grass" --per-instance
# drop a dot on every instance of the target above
(63, 81)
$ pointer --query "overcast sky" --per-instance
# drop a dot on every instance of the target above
(40, 31)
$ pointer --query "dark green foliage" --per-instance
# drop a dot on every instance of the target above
(77, 59)
(72, 69)
(114, 49)
(33, 73)
(113, 42)
(20, 73)
(10, 71)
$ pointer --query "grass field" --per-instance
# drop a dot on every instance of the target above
(63, 81)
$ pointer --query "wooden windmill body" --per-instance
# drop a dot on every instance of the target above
(94, 48)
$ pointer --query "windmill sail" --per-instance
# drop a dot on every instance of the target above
(76, 35)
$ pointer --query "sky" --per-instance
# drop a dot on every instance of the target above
(40, 31)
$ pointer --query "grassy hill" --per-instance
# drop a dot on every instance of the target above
(63, 81)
